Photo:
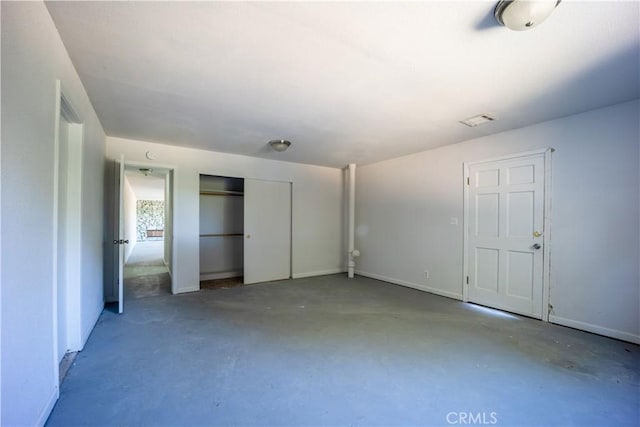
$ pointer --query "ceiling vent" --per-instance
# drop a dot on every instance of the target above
(478, 120)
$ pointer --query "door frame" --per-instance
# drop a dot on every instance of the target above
(72, 249)
(170, 177)
(546, 221)
(110, 287)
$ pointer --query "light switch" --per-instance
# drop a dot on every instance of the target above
(454, 220)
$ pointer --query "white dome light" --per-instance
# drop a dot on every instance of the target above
(520, 15)
(279, 144)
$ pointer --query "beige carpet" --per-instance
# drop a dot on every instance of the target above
(145, 273)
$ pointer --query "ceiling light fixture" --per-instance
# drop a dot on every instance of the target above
(520, 15)
(145, 171)
(279, 144)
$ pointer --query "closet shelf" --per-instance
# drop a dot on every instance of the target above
(223, 235)
(221, 193)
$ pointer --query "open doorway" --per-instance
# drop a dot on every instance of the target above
(67, 233)
(146, 214)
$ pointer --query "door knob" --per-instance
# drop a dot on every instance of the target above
(536, 246)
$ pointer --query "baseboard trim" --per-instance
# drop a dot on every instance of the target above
(187, 290)
(317, 273)
(87, 333)
(166, 264)
(48, 407)
(78, 343)
(221, 275)
(417, 286)
(600, 330)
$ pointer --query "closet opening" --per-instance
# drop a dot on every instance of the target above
(221, 232)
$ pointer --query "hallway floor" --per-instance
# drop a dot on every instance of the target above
(145, 273)
(333, 351)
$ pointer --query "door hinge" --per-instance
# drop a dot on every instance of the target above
(468, 181)
(467, 280)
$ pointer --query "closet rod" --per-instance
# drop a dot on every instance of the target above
(221, 193)
(223, 235)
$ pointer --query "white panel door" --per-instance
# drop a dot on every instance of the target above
(267, 230)
(119, 240)
(504, 233)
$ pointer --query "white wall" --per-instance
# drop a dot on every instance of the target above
(316, 203)
(130, 233)
(404, 207)
(33, 57)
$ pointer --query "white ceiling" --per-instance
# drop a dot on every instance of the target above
(149, 187)
(345, 82)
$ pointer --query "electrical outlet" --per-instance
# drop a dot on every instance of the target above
(426, 274)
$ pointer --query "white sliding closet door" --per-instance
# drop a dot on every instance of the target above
(267, 230)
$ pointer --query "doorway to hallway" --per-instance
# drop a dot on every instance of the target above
(142, 196)
(146, 213)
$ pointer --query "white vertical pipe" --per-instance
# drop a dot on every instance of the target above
(351, 264)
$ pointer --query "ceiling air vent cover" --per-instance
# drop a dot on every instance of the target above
(478, 120)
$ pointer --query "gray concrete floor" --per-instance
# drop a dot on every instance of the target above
(333, 351)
